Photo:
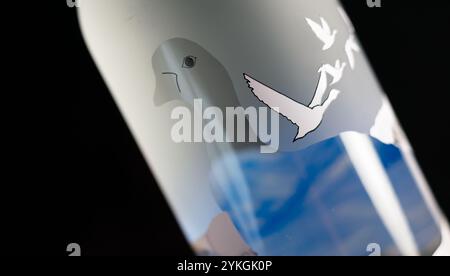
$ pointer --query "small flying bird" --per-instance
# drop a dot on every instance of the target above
(336, 72)
(323, 32)
(306, 118)
(352, 46)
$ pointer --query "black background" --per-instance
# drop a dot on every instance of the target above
(81, 177)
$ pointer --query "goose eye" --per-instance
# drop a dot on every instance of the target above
(189, 62)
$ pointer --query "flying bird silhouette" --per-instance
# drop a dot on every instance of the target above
(352, 46)
(323, 32)
(336, 72)
(306, 118)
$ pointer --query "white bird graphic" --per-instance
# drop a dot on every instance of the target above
(336, 72)
(306, 118)
(352, 46)
(323, 32)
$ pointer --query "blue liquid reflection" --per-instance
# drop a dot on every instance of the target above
(312, 202)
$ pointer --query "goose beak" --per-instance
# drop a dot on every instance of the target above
(167, 89)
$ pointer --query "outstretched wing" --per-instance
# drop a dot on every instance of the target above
(325, 26)
(337, 64)
(278, 102)
(320, 90)
(350, 46)
(317, 29)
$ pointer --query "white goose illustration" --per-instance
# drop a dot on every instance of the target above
(306, 118)
(336, 72)
(323, 32)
